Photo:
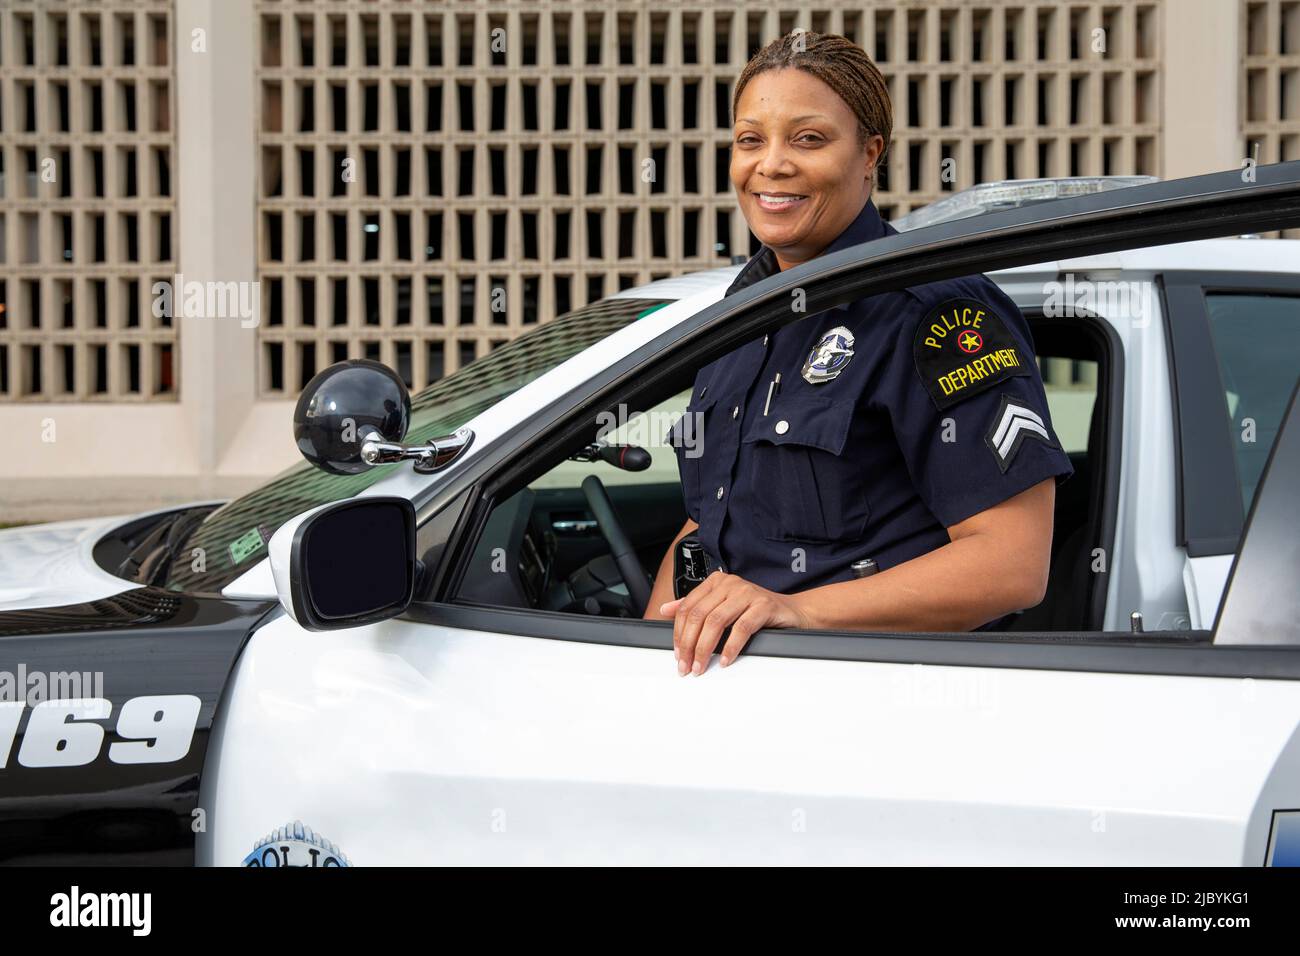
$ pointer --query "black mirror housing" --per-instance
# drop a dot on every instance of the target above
(349, 563)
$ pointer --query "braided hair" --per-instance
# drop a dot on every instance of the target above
(839, 63)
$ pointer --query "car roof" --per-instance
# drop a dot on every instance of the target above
(679, 287)
(1205, 255)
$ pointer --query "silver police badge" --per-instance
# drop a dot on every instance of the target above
(829, 356)
(295, 845)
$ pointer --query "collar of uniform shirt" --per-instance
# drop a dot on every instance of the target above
(867, 226)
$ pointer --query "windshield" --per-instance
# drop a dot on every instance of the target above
(233, 538)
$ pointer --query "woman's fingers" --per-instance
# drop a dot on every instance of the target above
(742, 629)
(686, 613)
(720, 601)
(734, 603)
(681, 609)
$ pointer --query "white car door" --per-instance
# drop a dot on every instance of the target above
(417, 742)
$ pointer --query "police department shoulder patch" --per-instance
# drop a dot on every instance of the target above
(963, 347)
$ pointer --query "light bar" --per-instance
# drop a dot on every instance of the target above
(1010, 194)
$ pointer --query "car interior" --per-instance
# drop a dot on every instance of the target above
(586, 536)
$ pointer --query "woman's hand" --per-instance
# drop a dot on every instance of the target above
(719, 600)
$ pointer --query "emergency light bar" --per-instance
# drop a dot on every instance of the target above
(1009, 194)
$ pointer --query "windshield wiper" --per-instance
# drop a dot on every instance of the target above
(150, 561)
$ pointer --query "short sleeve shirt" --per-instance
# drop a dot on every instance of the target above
(894, 417)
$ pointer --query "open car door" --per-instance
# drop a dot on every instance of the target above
(1261, 608)
(463, 733)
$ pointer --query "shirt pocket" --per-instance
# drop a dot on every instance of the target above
(687, 439)
(806, 482)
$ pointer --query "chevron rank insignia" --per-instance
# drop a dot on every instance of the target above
(1012, 426)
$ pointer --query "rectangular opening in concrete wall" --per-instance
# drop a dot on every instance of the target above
(1258, 41)
(305, 31)
(1289, 34)
(563, 288)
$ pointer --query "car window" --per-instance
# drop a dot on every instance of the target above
(648, 430)
(234, 536)
(1257, 343)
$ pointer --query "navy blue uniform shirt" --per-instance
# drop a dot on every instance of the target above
(897, 416)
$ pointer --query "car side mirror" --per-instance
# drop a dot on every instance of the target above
(354, 415)
(347, 563)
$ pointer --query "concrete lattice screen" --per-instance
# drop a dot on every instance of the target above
(510, 161)
(1269, 94)
(87, 211)
(501, 154)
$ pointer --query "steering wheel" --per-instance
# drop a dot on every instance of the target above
(629, 565)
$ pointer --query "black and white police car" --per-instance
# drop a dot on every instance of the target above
(431, 652)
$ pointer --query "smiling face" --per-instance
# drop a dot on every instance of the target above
(801, 175)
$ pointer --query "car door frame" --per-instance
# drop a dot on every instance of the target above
(1112, 376)
(452, 513)
(1209, 511)
(1261, 604)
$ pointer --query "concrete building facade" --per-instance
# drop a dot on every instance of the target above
(204, 202)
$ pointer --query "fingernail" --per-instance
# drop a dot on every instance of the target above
(681, 668)
(697, 668)
(724, 661)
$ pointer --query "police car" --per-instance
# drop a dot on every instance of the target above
(423, 644)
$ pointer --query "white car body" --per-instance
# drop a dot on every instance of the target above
(412, 743)
(417, 744)
(48, 565)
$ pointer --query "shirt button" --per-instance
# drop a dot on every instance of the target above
(720, 492)
(782, 427)
(735, 411)
(703, 390)
(765, 338)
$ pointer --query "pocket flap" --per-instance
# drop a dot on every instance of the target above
(816, 422)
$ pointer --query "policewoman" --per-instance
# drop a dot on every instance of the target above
(889, 465)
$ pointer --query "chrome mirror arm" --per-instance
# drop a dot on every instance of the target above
(437, 454)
